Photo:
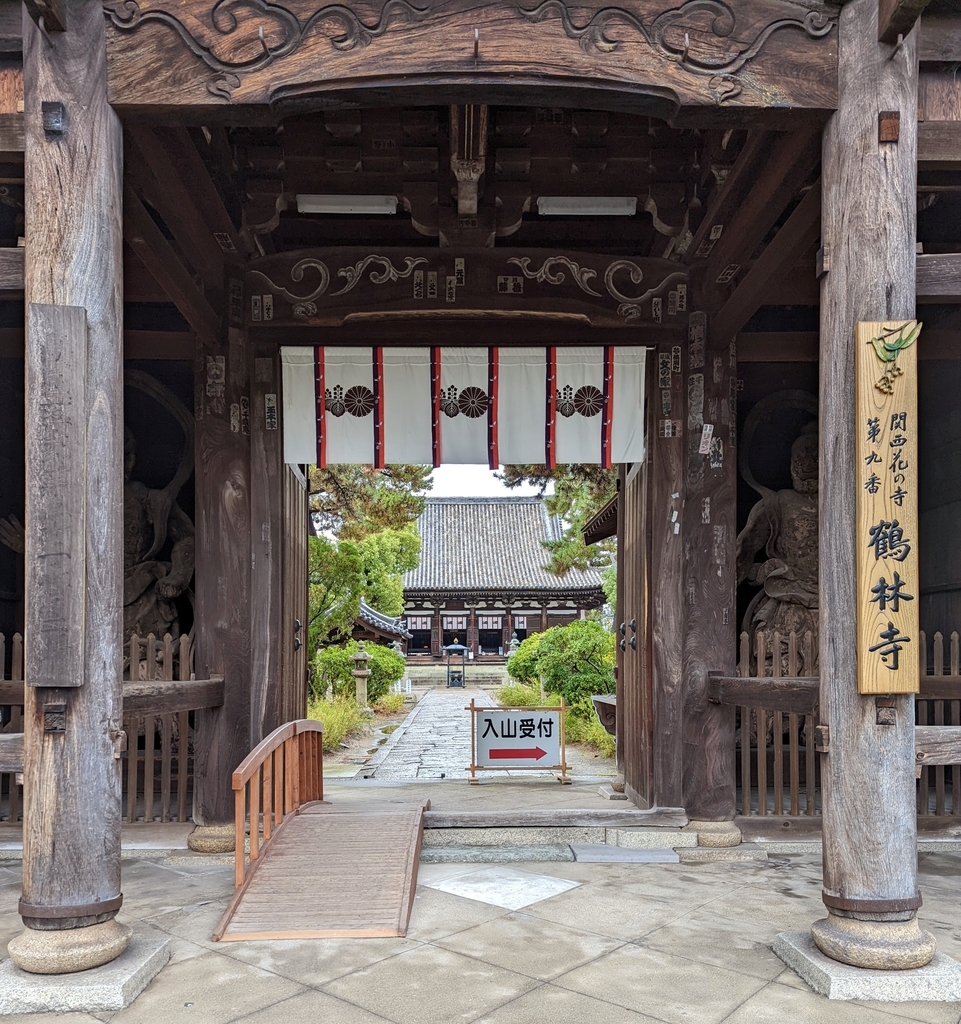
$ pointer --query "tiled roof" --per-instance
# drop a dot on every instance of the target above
(383, 623)
(490, 544)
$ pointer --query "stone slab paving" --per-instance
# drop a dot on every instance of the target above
(633, 943)
(433, 742)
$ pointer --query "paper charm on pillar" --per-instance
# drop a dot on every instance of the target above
(887, 507)
(458, 405)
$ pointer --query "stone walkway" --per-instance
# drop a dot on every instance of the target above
(492, 944)
(433, 741)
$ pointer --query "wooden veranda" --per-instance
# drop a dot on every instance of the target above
(771, 163)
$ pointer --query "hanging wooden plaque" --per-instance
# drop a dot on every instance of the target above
(887, 507)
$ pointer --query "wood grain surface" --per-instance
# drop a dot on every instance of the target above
(708, 571)
(868, 220)
(72, 778)
(311, 881)
(223, 735)
(760, 54)
(886, 485)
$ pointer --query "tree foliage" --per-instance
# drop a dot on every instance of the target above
(574, 661)
(333, 667)
(579, 492)
(341, 573)
(351, 502)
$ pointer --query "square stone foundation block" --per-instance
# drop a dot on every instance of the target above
(939, 981)
(111, 987)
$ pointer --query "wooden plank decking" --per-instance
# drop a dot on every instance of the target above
(344, 871)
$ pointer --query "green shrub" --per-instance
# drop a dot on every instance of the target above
(333, 667)
(341, 717)
(389, 704)
(574, 661)
(581, 725)
(519, 695)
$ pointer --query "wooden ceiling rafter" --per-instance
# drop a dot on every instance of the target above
(191, 168)
(155, 177)
(791, 164)
(728, 195)
(798, 233)
(147, 240)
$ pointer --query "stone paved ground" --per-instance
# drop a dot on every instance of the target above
(630, 944)
(433, 742)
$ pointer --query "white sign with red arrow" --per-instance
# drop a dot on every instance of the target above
(518, 738)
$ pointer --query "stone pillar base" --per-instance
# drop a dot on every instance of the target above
(715, 833)
(212, 839)
(70, 950)
(876, 945)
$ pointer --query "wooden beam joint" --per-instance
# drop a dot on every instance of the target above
(50, 15)
(896, 18)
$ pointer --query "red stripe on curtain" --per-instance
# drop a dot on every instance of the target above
(435, 404)
(379, 408)
(550, 447)
(607, 412)
(493, 371)
(321, 403)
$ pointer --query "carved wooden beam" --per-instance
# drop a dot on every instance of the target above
(639, 55)
(331, 287)
(897, 18)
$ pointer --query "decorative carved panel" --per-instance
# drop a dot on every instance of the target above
(334, 286)
(641, 54)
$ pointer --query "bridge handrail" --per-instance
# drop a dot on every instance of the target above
(283, 772)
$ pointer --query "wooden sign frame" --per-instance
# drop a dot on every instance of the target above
(560, 768)
(888, 593)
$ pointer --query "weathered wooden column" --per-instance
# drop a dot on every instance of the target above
(74, 501)
(223, 574)
(868, 227)
(708, 530)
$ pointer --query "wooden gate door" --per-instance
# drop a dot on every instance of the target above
(634, 719)
(294, 606)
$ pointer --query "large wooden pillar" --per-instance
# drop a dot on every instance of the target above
(267, 525)
(74, 506)
(708, 531)
(223, 614)
(868, 227)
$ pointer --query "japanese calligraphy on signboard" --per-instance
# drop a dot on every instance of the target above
(887, 507)
(517, 739)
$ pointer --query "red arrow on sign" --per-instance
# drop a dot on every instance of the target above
(518, 754)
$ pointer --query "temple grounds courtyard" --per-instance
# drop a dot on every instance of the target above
(520, 943)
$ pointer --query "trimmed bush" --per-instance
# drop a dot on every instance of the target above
(333, 667)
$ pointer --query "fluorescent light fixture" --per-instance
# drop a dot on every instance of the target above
(347, 204)
(587, 206)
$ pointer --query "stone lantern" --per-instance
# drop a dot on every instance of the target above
(361, 673)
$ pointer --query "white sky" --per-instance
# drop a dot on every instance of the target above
(472, 482)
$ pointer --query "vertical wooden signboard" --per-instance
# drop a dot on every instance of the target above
(887, 507)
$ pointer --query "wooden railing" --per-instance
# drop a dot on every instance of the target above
(158, 700)
(777, 726)
(281, 774)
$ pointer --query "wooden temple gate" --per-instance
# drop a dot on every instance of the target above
(714, 118)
